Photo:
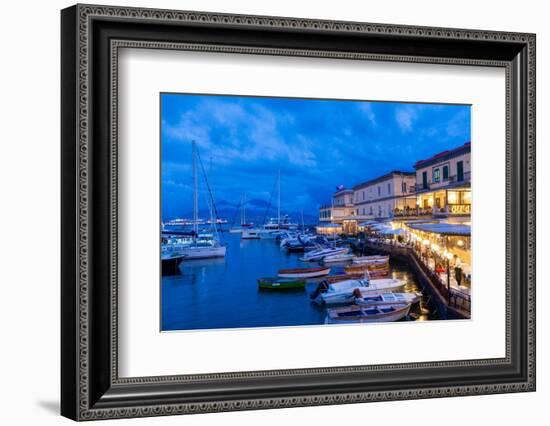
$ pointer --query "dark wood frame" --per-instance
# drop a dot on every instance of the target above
(91, 388)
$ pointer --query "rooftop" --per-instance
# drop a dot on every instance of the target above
(383, 178)
(443, 156)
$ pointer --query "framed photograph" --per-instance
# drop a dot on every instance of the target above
(263, 212)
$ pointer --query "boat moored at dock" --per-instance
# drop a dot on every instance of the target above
(338, 258)
(321, 253)
(343, 291)
(376, 259)
(377, 299)
(303, 272)
(281, 283)
(359, 314)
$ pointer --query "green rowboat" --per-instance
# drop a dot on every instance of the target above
(280, 284)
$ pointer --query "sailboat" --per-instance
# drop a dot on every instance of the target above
(202, 248)
(243, 226)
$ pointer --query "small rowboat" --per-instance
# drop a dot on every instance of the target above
(303, 272)
(352, 269)
(371, 259)
(280, 284)
(358, 275)
(379, 299)
(359, 314)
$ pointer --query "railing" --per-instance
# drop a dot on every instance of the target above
(455, 299)
(412, 212)
(452, 297)
(452, 179)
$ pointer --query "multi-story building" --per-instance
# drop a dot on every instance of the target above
(443, 183)
(341, 212)
(387, 196)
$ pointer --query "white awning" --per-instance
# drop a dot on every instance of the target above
(442, 228)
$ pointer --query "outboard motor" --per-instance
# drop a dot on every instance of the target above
(321, 288)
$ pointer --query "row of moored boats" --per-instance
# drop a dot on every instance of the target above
(364, 293)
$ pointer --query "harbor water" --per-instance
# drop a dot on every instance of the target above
(223, 293)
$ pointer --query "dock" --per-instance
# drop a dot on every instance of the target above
(450, 305)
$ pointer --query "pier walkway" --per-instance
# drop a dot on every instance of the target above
(450, 303)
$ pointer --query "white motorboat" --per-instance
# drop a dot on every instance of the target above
(338, 258)
(377, 299)
(343, 291)
(203, 251)
(250, 234)
(320, 253)
(360, 314)
(365, 260)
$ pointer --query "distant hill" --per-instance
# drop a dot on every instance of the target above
(255, 212)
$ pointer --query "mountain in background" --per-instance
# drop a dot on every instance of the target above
(256, 211)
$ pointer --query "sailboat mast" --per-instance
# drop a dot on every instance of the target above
(279, 203)
(195, 191)
(244, 209)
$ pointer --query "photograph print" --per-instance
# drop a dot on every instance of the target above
(279, 212)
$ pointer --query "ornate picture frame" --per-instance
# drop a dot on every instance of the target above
(90, 39)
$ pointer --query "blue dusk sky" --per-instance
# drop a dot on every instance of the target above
(316, 144)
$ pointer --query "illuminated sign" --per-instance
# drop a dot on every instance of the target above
(460, 208)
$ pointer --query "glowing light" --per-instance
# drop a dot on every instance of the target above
(435, 247)
(426, 242)
(449, 256)
(460, 243)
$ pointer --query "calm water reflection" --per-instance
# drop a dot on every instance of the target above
(223, 293)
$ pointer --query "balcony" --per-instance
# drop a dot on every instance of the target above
(438, 185)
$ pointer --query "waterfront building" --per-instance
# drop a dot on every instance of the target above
(340, 216)
(443, 183)
(387, 196)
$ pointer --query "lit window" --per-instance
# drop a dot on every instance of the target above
(436, 176)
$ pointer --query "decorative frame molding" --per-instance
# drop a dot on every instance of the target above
(91, 38)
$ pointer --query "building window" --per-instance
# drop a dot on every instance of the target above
(379, 191)
(403, 187)
(389, 189)
(436, 175)
(460, 171)
(370, 210)
(445, 172)
(363, 192)
(424, 180)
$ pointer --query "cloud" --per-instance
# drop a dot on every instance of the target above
(316, 144)
(368, 111)
(405, 117)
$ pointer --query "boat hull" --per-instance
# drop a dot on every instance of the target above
(203, 252)
(346, 295)
(315, 257)
(170, 265)
(359, 315)
(304, 273)
(281, 284)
